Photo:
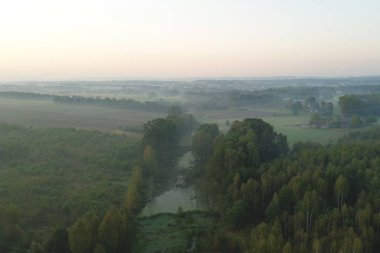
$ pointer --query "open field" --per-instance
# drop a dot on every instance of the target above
(282, 120)
(45, 113)
(292, 126)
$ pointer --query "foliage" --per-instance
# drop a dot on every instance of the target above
(83, 234)
(203, 141)
(115, 233)
(362, 105)
(356, 122)
(113, 102)
(175, 110)
(315, 199)
(316, 120)
(24, 95)
(234, 158)
(174, 232)
(163, 134)
(326, 109)
(311, 105)
(51, 177)
(133, 199)
(295, 107)
(58, 242)
(112, 231)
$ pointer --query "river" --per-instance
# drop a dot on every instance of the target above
(179, 195)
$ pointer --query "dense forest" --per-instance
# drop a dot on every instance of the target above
(78, 191)
(51, 177)
(111, 226)
(312, 199)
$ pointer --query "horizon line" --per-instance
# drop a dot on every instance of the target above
(189, 79)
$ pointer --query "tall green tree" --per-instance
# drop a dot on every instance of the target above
(350, 105)
(83, 234)
(58, 242)
(341, 190)
(203, 141)
(112, 231)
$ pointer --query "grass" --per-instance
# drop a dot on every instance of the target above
(46, 113)
(171, 232)
(295, 128)
(281, 119)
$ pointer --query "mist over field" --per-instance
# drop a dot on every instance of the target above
(121, 165)
(208, 126)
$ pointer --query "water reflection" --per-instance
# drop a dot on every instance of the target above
(171, 200)
(178, 196)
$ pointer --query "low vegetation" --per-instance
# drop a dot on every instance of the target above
(176, 233)
(51, 177)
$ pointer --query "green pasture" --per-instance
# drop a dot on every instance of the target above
(45, 113)
(294, 127)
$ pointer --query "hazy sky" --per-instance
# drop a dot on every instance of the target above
(78, 39)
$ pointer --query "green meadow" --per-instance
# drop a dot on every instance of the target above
(294, 127)
(46, 113)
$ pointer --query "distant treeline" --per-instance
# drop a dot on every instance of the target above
(237, 97)
(113, 102)
(297, 93)
(26, 95)
(221, 100)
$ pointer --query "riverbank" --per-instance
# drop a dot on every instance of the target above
(167, 232)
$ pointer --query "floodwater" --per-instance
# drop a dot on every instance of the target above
(178, 195)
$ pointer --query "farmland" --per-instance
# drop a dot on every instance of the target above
(295, 127)
(46, 113)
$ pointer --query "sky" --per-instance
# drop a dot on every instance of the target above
(148, 39)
